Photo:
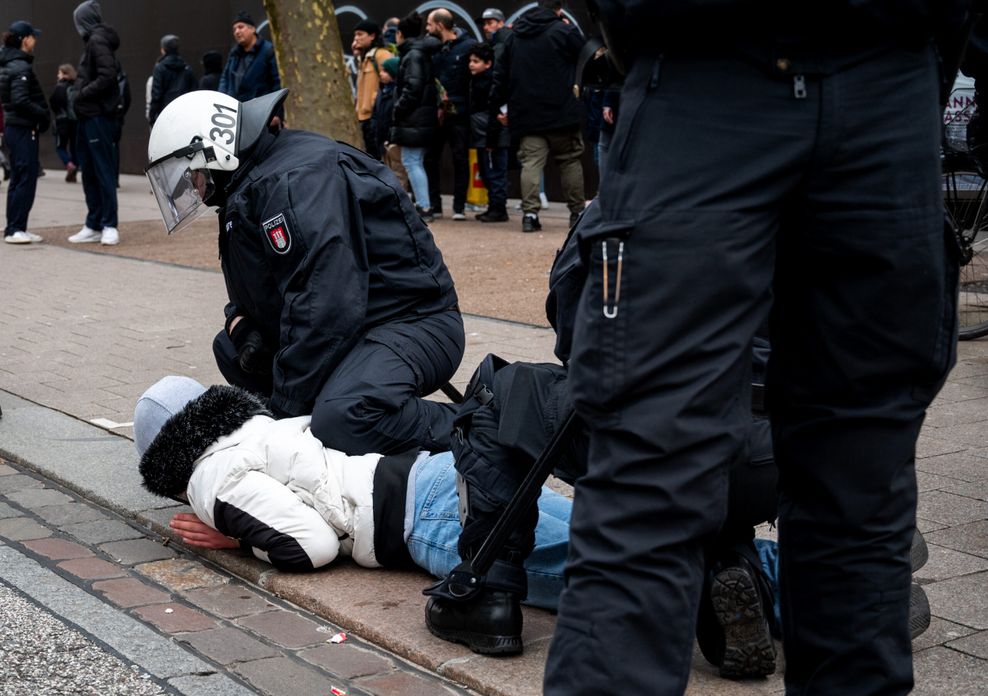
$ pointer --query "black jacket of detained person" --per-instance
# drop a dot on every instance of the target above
(318, 244)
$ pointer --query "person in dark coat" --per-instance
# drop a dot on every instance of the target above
(172, 78)
(340, 303)
(415, 119)
(212, 70)
(773, 165)
(96, 107)
(534, 77)
(62, 103)
(453, 76)
(493, 160)
(26, 115)
(251, 68)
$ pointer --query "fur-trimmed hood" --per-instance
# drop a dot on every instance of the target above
(170, 458)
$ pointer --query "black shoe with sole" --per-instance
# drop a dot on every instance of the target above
(919, 611)
(490, 624)
(919, 553)
(530, 223)
(494, 216)
(738, 607)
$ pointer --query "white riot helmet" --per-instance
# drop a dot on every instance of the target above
(198, 132)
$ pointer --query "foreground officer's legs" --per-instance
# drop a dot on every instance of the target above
(373, 400)
(689, 216)
(862, 338)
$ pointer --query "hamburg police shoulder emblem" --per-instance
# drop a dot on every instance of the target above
(276, 230)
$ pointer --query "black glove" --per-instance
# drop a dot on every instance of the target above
(252, 355)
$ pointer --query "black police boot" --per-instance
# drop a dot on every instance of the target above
(919, 611)
(488, 619)
(733, 629)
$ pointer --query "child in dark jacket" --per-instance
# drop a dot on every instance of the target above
(383, 118)
(491, 142)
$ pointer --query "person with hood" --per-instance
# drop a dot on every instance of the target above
(172, 78)
(416, 101)
(534, 77)
(96, 108)
(212, 70)
(251, 68)
(340, 303)
(26, 115)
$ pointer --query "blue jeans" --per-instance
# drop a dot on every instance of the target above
(436, 530)
(96, 150)
(413, 159)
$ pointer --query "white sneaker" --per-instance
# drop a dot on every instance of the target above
(17, 238)
(35, 237)
(459, 216)
(86, 235)
(110, 236)
(544, 201)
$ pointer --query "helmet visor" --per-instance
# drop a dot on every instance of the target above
(180, 191)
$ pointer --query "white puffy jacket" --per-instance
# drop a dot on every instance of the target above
(269, 483)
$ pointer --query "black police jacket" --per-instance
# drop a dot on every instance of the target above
(318, 244)
(23, 101)
(534, 75)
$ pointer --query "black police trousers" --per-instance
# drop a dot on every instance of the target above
(372, 401)
(725, 185)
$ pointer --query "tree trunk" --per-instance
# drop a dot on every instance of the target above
(310, 60)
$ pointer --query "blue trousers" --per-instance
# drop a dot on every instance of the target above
(23, 145)
(97, 157)
(494, 172)
(822, 194)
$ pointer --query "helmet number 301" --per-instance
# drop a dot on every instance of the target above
(225, 124)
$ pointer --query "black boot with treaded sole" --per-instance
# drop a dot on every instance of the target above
(748, 647)
(490, 624)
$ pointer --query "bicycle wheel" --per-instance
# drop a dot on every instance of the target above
(964, 197)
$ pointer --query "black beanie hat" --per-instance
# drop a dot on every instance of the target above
(244, 17)
(368, 25)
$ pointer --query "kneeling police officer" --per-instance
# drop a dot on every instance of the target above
(340, 303)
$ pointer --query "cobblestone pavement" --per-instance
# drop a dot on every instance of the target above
(233, 639)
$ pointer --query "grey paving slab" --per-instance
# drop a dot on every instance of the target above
(951, 509)
(69, 513)
(34, 498)
(101, 531)
(940, 631)
(7, 511)
(101, 466)
(963, 600)
(968, 538)
(18, 482)
(131, 551)
(210, 685)
(946, 563)
(22, 529)
(975, 645)
(943, 672)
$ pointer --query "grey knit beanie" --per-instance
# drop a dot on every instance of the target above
(161, 401)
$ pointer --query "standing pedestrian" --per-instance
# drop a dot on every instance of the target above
(415, 120)
(370, 56)
(62, 103)
(97, 110)
(492, 154)
(251, 68)
(172, 78)
(534, 76)
(26, 116)
(762, 152)
(212, 69)
(384, 106)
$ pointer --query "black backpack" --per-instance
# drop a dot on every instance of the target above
(123, 85)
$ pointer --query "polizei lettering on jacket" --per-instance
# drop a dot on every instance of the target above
(277, 233)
